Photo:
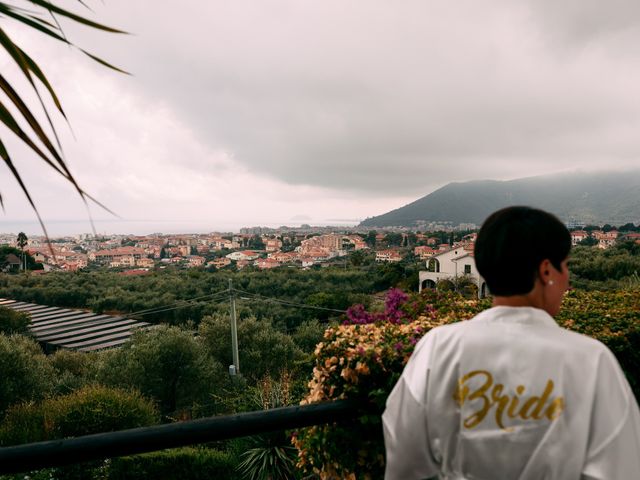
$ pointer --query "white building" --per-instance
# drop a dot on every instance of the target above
(243, 255)
(450, 265)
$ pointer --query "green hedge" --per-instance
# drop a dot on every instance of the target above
(25, 373)
(91, 409)
(12, 321)
(178, 464)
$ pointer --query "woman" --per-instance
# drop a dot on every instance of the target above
(510, 394)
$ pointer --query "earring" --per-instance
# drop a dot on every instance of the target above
(550, 282)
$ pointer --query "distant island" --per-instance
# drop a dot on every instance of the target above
(580, 198)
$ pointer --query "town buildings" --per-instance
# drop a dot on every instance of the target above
(271, 248)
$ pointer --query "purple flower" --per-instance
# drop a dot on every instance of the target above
(395, 299)
(357, 315)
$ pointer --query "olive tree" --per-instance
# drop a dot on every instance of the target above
(165, 363)
(26, 373)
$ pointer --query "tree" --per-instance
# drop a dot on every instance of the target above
(256, 243)
(393, 239)
(91, 409)
(22, 242)
(12, 321)
(73, 369)
(370, 238)
(26, 373)
(165, 363)
(15, 114)
(263, 349)
(588, 241)
(356, 258)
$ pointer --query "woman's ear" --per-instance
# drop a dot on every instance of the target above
(544, 271)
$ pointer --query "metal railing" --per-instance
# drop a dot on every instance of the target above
(56, 453)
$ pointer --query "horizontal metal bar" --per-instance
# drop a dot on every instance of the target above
(55, 453)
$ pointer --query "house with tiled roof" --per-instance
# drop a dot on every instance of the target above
(116, 254)
(423, 251)
(307, 262)
(11, 263)
(633, 236)
(272, 244)
(284, 257)
(219, 262)
(195, 261)
(388, 255)
(266, 263)
(242, 263)
(578, 236)
(450, 265)
(145, 262)
(246, 255)
(123, 261)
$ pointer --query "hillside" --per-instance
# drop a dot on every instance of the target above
(598, 198)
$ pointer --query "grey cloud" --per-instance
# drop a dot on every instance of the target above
(580, 23)
(387, 99)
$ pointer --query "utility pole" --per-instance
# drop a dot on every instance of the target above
(235, 368)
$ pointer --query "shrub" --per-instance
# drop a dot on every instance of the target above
(91, 409)
(25, 372)
(263, 349)
(167, 364)
(12, 321)
(611, 317)
(360, 362)
(271, 458)
(96, 408)
(177, 464)
(24, 423)
(73, 369)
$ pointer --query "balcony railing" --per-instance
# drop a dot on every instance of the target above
(56, 453)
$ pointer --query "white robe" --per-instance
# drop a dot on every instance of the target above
(511, 395)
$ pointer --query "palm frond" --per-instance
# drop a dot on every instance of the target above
(45, 145)
(37, 23)
(7, 160)
(72, 16)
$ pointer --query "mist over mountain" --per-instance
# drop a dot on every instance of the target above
(591, 198)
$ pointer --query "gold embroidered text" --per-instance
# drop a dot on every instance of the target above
(489, 395)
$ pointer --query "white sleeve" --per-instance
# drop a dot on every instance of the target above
(406, 437)
(614, 440)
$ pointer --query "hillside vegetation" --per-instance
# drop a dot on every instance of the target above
(592, 198)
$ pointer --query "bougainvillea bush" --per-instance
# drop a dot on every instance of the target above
(363, 358)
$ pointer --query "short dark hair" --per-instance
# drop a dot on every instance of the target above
(513, 242)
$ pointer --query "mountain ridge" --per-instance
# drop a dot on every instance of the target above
(583, 197)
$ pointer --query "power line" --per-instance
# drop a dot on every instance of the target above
(223, 294)
(180, 304)
(287, 303)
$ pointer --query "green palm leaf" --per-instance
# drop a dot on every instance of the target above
(44, 145)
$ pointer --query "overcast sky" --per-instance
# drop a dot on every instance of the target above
(288, 111)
